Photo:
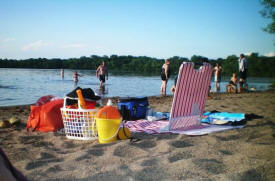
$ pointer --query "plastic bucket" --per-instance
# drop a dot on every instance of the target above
(107, 129)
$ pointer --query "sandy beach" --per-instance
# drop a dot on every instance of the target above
(239, 154)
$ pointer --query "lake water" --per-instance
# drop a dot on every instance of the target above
(25, 86)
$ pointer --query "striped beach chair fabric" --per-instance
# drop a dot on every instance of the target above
(190, 96)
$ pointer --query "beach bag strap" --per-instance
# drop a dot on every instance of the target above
(34, 118)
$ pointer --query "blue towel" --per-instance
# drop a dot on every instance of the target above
(162, 114)
(225, 117)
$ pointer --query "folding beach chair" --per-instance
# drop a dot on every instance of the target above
(190, 96)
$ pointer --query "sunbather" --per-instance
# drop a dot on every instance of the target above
(232, 86)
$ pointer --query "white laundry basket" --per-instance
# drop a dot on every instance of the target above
(79, 124)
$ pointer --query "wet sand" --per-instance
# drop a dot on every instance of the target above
(240, 154)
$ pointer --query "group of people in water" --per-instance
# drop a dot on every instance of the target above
(101, 74)
(232, 87)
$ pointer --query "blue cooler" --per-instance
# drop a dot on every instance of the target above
(133, 108)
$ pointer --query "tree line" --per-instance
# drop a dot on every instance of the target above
(258, 66)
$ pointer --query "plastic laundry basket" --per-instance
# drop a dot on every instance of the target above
(79, 124)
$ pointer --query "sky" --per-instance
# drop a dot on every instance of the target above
(154, 28)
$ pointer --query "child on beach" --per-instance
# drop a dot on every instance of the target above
(232, 86)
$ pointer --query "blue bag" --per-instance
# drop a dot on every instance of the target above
(133, 108)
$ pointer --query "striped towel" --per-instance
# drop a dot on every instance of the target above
(143, 125)
(155, 127)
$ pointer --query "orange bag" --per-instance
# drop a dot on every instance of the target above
(46, 117)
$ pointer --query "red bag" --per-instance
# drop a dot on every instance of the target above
(46, 117)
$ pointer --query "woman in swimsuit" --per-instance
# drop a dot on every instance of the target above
(165, 73)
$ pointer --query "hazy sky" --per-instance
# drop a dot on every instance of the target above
(155, 28)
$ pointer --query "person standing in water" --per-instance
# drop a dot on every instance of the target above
(243, 72)
(62, 73)
(75, 77)
(165, 73)
(218, 75)
(102, 73)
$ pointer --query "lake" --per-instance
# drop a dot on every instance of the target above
(25, 86)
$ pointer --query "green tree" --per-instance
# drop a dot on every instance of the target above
(269, 13)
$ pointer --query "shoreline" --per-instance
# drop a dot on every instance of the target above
(104, 99)
(238, 154)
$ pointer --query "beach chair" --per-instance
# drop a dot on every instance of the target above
(190, 95)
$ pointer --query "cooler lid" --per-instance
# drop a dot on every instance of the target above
(128, 99)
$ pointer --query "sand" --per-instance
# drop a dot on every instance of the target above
(240, 154)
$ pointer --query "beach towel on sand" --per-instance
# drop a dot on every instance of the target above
(46, 117)
(222, 117)
(155, 127)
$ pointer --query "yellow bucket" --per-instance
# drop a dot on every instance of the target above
(107, 129)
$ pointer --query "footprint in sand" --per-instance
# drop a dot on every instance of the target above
(96, 152)
(124, 167)
(44, 159)
(69, 144)
(30, 139)
(222, 106)
(83, 157)
(42, 144)
(180, 144)
(127, 151)
(54, 169)
(40, 163)
(251, 174)
(166, 136)
(150, 162)
(45, 155)
(254, 135)
(179, 156)
(225, 152)
(151, 174)
(20, 154)
(145, 144)
(103, 145)
(212, 166)
(228, 138)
